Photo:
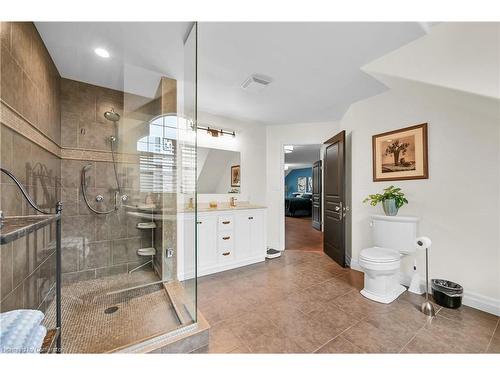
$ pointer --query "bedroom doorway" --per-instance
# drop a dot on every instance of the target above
(303, 184)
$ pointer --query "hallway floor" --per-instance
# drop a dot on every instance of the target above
(300, 235)
(303, 302)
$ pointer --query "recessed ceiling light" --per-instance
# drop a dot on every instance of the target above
(101, 52)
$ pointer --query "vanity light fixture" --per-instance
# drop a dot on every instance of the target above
(216, 132)
(288, 149)
(101, 52)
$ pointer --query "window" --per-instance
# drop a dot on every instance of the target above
(158, 164)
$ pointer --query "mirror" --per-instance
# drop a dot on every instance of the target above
(218, 171)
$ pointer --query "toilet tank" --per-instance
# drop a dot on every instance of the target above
(394, 232)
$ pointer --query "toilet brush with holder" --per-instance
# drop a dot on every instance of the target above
(425, 243)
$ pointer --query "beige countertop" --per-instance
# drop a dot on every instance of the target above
(225, 207)
(169, 214)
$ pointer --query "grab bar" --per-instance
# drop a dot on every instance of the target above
(24, 192)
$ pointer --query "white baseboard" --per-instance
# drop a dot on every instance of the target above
(483, 303)
(471, 299)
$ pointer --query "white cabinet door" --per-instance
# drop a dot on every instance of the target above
(207, 241)
(249, 234)
(257, 233)
(242, 235)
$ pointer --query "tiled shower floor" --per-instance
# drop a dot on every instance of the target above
(142, 313)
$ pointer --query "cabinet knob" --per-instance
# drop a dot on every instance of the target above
(226, 222)
(198, 222)
(226, 238)
(226, 254)
(250, 218)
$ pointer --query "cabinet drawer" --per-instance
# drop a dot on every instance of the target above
(225, 241)
(226, 222)
(225, 246)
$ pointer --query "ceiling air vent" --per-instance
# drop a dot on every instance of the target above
(255, 83)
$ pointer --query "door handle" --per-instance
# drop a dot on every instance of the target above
(226, 238)
(226, 222)
(226, 254)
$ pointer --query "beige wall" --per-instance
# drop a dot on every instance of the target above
(458, 204)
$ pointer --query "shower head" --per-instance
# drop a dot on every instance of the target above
(112, 115)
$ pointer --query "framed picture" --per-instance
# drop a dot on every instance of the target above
(235, 176)
(400, 154)
(301, 184)
(309, 184)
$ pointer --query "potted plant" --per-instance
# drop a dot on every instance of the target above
(392, 199)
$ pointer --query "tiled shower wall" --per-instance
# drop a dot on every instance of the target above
(30, 93)
(52, 127)
(96, 245)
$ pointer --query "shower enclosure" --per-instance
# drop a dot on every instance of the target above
(127, 179)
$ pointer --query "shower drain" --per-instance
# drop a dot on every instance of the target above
(111, 310)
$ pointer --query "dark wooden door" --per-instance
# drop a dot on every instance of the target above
(334, 195)
(316, 195)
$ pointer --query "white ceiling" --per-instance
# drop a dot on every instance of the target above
(302, 156)
(315, 67)
(141, 52)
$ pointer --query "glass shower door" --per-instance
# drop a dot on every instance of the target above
(129, 247)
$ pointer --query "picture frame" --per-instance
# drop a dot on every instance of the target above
(301, 184)
(309, 184)
(235, 176)
(401, 154)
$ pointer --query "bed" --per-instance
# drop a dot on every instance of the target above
(300, 205)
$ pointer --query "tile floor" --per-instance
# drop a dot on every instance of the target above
(303, 302)
(300, 235)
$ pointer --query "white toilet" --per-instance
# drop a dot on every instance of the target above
(393, 237)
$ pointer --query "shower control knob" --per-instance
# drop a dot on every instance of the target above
(124, 197)
(99, 198)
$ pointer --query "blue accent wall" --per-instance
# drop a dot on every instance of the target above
(291, 180)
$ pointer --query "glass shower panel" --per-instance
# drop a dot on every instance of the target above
(133, 229)
(186, 217)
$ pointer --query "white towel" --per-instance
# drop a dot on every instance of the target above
(18, 328)
(34, 342)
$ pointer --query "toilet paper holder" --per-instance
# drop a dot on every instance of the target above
(422, 243)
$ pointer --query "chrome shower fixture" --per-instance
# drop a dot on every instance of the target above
(112, 115)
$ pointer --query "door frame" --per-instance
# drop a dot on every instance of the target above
(282, 184)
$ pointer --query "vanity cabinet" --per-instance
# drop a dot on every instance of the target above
(226, 240)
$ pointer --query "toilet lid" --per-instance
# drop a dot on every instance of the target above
(379, 254)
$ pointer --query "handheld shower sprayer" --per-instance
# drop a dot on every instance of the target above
(114, 117)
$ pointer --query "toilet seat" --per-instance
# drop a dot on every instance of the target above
(379, 255)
